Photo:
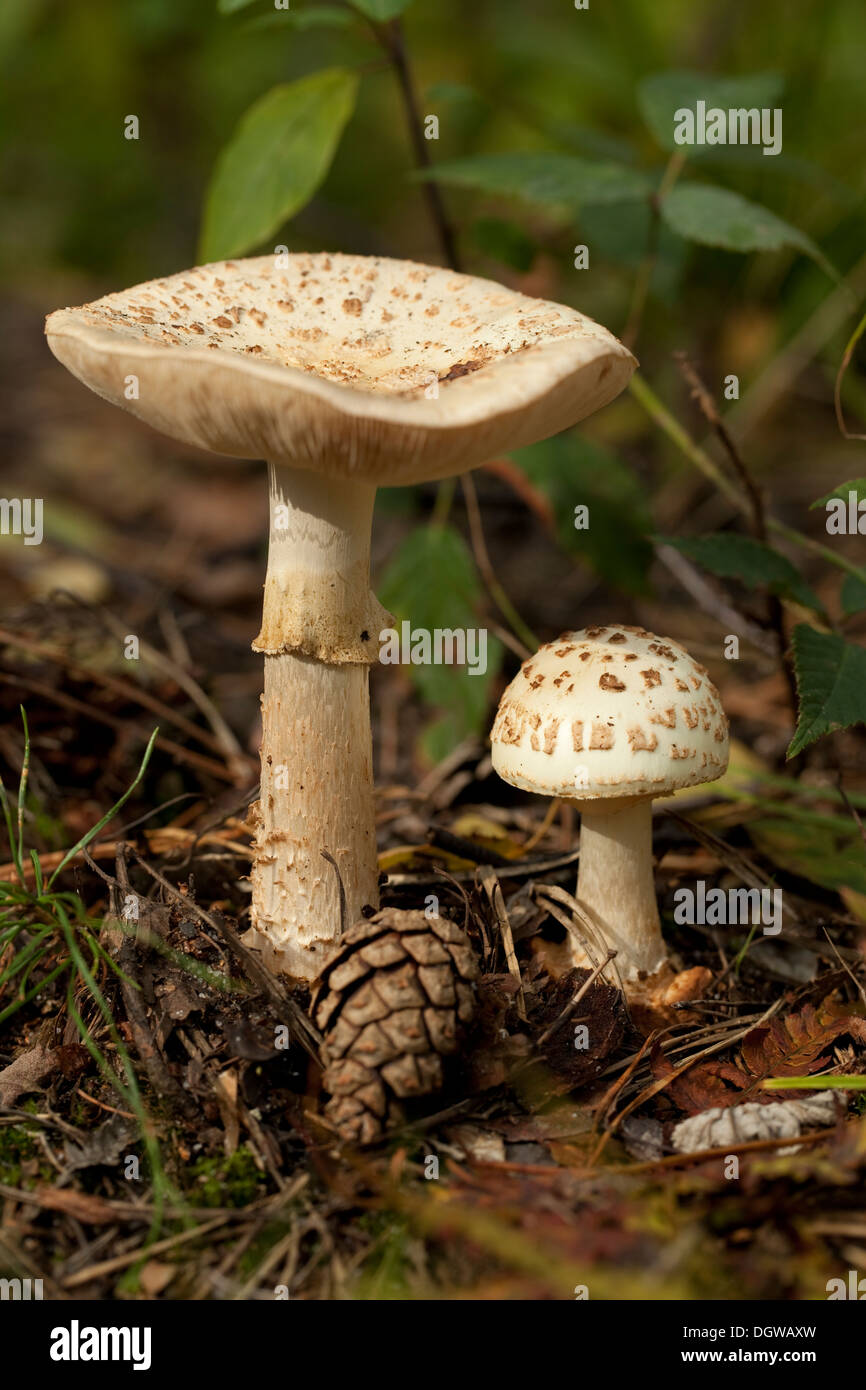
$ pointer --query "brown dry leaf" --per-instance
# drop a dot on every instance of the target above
(700, 1087)
(154, 1276)
(26, 1073)
(797, 1045)
(226, 1088)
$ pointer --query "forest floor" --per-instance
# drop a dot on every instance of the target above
(156, 1142)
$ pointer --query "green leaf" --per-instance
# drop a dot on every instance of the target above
(856, 485)
(431, 582)
(853, 595)
(831, 683)
(381, 9)
(316, 17)
(275, 161)
(229, 6)
(717, 217)
(571, 473)
(814, 1083)
(628, 232)
(664, 93)
(560, 180)
(741, 557)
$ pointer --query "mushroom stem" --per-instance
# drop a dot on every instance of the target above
(615, 884)
(320, 631)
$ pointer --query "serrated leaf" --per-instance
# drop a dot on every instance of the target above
(664, 93)
(571, 472)
(831, 683)
(431, 582)
(798, 1042)
(754, 564)
(381, 9)
(853, 595)
(856, 485)
(558, 180)
(714, 216)
(275, 161)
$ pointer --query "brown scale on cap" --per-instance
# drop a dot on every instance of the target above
(314, 295)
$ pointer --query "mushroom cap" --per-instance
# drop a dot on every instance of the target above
(610, 712)
(330, 362)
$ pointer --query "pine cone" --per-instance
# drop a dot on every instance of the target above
(390, 1003)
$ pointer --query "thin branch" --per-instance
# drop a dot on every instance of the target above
(775, 608)
(843, 367)
(524, 634)
(393, 41)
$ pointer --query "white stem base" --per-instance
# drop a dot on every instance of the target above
(320, 631)
(317, 794)
(615, 884)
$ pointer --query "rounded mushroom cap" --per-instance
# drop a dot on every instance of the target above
(355, 365)
(610, 712)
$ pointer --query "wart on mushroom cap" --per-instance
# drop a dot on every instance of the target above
(610, 717)
(345, 372)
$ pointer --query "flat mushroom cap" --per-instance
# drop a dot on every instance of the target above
(610, 712)
(330, 363)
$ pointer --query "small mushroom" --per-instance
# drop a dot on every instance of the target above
(609, 718)
(346, 373)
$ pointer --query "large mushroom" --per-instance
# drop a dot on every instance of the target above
(345, 373)
(609, 718)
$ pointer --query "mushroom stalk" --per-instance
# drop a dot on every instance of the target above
(320, 630)
(615, 884)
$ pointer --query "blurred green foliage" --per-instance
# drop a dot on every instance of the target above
(555, 129)
(557, 84)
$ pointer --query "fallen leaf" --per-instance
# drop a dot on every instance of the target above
(154, 1276)
(26, 1073)
(740, 1124)
(478, 1143)
(797, 1045)
(104, 1146)
(644, 1137)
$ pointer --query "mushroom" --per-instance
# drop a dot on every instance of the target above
(608, 718)
(346, 373)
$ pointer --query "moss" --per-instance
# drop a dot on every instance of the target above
(222, 1181)
(17, 1147)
